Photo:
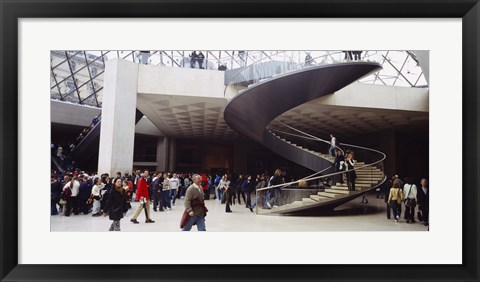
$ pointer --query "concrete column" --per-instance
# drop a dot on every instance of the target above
(162, 153)
(118, 117)
(172, 153)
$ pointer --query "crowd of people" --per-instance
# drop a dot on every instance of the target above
(404, 195)
(197, 59)
(77, 193)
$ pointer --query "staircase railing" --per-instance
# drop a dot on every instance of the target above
(282, 197)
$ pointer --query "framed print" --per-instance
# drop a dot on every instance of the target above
(91, 52)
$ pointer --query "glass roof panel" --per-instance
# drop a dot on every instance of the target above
(78, 75)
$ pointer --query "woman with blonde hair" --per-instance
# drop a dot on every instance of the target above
(395, 199)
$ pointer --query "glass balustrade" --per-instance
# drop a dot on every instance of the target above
(268, 67)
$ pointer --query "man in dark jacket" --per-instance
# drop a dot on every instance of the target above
(238, 189)
(157, 190)
(423, 202)
(84, 193)
(55, 191)
(248, 188)
(273, 195)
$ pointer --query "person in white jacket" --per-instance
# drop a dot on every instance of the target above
(174, 185)
(97, 196)
(410, 196)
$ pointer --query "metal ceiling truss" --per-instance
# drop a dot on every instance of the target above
(62, 73)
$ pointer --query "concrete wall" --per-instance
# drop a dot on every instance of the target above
(73, 114)
(379, 96)
(180, 81)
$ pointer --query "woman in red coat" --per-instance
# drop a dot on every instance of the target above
(142, 196)
(205, 186)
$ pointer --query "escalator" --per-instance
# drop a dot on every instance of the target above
(253, 109)
(86, 151)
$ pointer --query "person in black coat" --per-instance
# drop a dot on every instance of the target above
(55, 191)
(422, 198)
(116, 204)
(338, 166)
(157, 185)
(249, 187)
(351, 174)
(84, 193)
(387, 185)
(273, 195)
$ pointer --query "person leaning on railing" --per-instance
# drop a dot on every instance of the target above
(261, 183)
(272, 195)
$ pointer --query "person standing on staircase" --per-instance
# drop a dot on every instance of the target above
(351, 174)
(338, 165)
(333, 146)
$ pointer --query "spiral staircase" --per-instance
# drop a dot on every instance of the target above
(252, 110)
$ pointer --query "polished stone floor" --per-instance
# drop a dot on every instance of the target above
(353, 216)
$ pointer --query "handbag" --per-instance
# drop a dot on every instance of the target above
(62, 202)
(410, 202)
(185, 219)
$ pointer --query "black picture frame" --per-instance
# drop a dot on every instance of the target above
(11, 11)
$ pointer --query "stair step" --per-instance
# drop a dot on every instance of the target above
(367, 169)
(319, 198)
(338, 191)
(344, 188)
(329, 195)
(366, 172)
(308, 200)
(360, 185)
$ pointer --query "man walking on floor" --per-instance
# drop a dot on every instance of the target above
(195, 205)
(143, 197)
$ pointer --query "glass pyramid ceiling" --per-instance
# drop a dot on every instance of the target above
(77, 76)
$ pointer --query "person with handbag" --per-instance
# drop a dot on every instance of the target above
(195, 206)
(410, 196)
(116, 205)
(395, 199)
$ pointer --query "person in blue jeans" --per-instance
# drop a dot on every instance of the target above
(395, 199)
(166, 193)
(195, 205)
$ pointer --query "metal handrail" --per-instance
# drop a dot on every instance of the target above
(331, 174)
(312, 136)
